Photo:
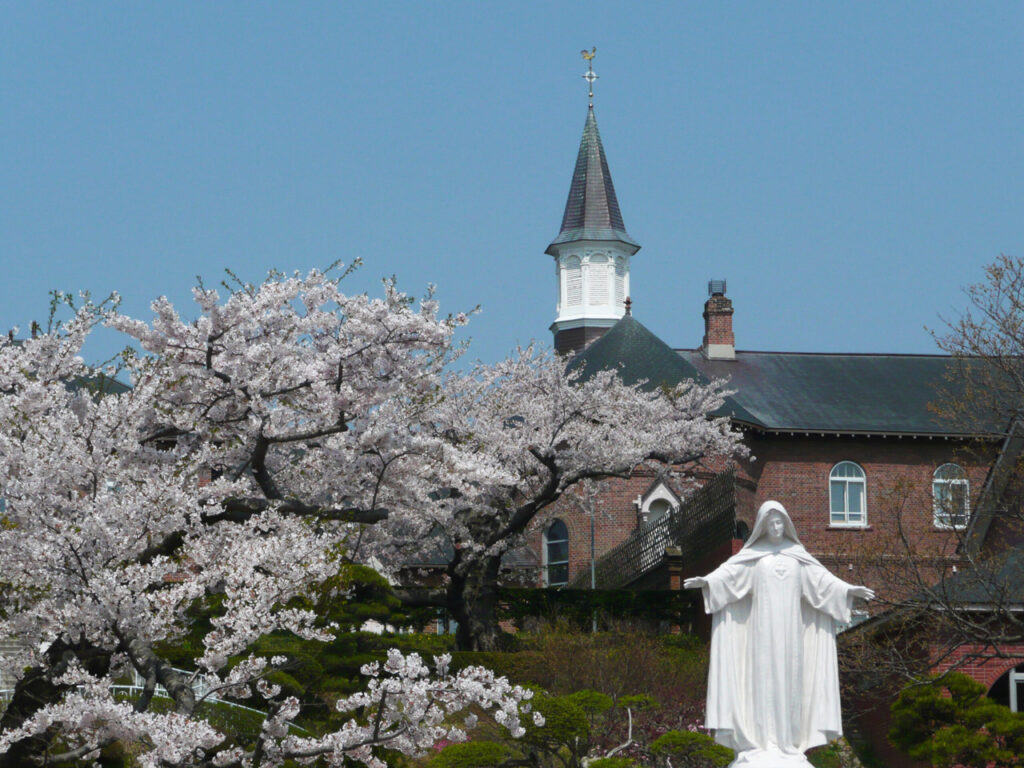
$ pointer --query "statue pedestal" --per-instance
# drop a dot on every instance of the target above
(769, 758)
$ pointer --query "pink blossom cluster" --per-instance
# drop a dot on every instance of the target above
(288, 427)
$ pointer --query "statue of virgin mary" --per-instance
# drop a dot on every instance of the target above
(773, 685)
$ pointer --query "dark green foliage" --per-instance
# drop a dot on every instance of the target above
(949, 721)
(565, 726)
(584, 685)
(611, 762)
(828, 756)
(577, 607)
(319, 673)
(691, 749)
(470, 755)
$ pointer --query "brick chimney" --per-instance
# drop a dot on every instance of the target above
(719, 342)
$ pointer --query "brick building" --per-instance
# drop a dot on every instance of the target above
(851, 444)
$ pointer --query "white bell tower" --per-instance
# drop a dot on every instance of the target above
(593, 249)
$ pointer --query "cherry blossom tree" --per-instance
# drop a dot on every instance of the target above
(288, 427)
(251, 447)
(516, 436)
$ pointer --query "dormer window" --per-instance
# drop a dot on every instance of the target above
(657, 503)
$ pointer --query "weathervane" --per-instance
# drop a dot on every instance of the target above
(590, 77)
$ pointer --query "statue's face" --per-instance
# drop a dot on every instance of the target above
(776, 528)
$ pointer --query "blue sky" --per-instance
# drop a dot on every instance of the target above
(847, 167)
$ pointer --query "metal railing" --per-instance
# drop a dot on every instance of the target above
(704, 521)
(202, 686)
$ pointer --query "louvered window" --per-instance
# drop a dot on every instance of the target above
(598, 275)
(620, 281)
(573, 282)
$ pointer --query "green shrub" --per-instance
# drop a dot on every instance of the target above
(691, 749)
(611, 762)
(470, 755)
(949, 721)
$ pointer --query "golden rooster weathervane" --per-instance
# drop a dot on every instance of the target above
(590, 77)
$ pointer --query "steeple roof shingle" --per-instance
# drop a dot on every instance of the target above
(592, 210)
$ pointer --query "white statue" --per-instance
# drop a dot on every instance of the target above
(773, 686)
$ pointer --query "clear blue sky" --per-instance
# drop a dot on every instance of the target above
(848, 168)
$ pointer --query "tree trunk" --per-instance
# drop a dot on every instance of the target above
(473, 603)
(37, 689)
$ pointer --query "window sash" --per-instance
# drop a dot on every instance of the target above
(847, 501)
(951, 503)
(556, 560)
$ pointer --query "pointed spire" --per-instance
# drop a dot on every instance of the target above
(592, 210)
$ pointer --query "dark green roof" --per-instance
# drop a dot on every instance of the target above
(792, 391)
(592, 210)
(997, 581)
(636, 353)
(839, 393)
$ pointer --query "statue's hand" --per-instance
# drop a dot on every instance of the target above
(862, 592)
(697, 582)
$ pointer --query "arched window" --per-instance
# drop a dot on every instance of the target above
(847, 491)
(1008, 690)
(573, 281)
(556, 555)
(951, 496)
(658, 509)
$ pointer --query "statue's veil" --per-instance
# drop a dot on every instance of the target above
(761, 523)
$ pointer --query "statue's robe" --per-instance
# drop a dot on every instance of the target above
(774, 678)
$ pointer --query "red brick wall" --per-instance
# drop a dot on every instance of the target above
(795, 471)
(975, 661)
(615, 520)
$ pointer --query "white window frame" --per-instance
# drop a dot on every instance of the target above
(941, 517)
(862, 481)
(657, 492)
(1016, 678)
(548, 541)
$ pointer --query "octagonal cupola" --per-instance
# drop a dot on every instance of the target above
(592, 250)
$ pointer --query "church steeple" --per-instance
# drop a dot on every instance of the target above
(592, 250)
(592, 209)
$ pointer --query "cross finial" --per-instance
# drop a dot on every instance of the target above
(629, 306)
(590, 77)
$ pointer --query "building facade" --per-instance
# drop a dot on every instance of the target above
(855, 446)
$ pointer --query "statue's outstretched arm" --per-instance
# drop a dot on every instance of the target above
(864, 593)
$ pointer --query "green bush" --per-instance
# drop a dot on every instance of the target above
(691, 749)
(470, 755)
(611, 762)
(949, 721)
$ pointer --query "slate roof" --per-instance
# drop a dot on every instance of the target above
(592, 209)
(999, 581)
(839, 393)
(793, 391)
